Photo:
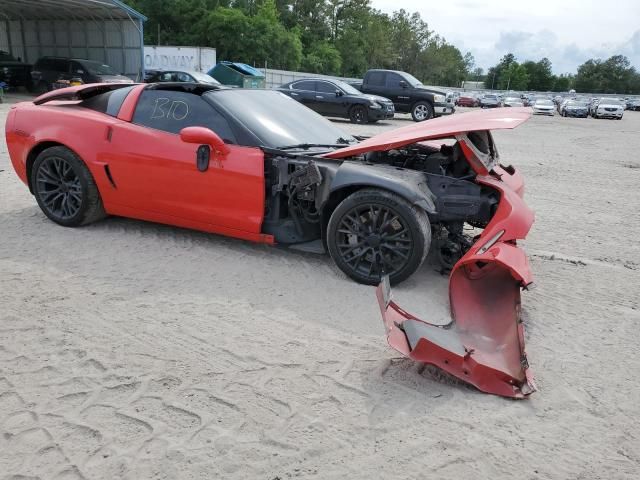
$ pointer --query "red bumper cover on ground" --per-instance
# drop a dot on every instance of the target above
(484, 343)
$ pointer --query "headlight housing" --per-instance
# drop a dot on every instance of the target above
(439, 98)
(375, 105)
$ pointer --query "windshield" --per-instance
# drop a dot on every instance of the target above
(611, 101)
(411, 80)
(97, 68)
(348, 89)
(575, 103)
(276, 119)
(203, 77)
(544, 102)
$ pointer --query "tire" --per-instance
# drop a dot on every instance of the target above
(358, 236)
(421, 111)
(65, 189)
(358, 114)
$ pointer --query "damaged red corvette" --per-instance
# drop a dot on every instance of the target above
(257, 165)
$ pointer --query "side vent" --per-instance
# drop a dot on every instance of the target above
(109, 133)
(108, 172)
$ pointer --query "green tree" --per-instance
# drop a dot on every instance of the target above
(495, 73)
(541, 77)
(514, 77)
(323, 58)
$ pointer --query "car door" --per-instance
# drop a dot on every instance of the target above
(155, 172)
(400, 95)
(328, 102)
(304, 91)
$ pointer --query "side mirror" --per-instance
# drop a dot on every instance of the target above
(339, 93)
(403, 84)
(204, 136)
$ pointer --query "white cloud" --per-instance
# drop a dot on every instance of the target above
(568, 32)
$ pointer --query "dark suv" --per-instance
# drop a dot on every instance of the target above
(13, 72)
(48, 70)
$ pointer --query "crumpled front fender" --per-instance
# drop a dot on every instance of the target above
(484, 342)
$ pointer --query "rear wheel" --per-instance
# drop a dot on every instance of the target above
(65, 189)
(374, 233)
(358, 114)
(422, 111)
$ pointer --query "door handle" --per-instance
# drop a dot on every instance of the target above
(294, 94)
(319, 96)
(203, 154)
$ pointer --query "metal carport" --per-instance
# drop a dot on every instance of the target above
(104, 30)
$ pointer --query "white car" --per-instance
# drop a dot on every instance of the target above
(609, 108)
(544, 106)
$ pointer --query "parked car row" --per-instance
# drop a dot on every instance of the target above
(49, 73)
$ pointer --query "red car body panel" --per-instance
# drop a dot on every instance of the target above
(153, 176)
(484, 343)
(442, 127)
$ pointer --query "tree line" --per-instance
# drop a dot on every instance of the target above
(334, 37)
(347, 37)
(614, 75)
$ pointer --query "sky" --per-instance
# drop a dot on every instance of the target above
(567, 32)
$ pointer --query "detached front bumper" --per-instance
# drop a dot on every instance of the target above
(442, 109)
(484, 343)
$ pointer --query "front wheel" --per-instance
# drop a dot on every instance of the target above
(374, 233)
(358, 114)
(422, 111)
(65, 189)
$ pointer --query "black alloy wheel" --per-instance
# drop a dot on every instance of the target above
(358, 114)
(374, 233)
(58, 186)
(64, 188)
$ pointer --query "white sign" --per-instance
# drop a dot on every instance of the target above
(198, 59)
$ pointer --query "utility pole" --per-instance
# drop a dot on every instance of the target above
(494, 80)
(158, 34)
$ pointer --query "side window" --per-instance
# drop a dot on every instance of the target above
(44, 64)
(308, 85)
(376, 78)
(326, 87)
(60, 65)
(76, 67)
(393, 80)
(108, 102)
(165, 77)
(171, 111)
(183, 77)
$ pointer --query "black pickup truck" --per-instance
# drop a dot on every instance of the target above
(407, 93)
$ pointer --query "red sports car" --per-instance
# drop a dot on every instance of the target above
(257, 165)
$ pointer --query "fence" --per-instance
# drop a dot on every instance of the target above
(275, 78)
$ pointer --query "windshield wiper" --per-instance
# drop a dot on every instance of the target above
(306, 146)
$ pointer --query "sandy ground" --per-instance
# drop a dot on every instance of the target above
(137, 351)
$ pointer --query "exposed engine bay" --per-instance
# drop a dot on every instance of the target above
(302, 188)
